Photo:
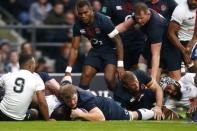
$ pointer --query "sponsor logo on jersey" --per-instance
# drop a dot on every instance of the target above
(97, 30)
(82, 31)
(190, 18)
(118, 7)
(104, 9)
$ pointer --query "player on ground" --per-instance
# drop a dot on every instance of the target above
(138, 90)
(86, 106)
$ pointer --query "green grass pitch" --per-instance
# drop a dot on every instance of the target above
(99, 126)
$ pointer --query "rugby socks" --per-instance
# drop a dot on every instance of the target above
(145, 114)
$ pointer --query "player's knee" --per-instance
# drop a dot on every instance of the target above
(86, 76)
(110, 80)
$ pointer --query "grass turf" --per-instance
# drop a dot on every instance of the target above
(99, 126)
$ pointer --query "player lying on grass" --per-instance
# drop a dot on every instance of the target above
(84, 105)
(180, 93)
(138, 90)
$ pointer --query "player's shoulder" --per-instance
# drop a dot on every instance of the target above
(157, 19)
(181, 7)
(101, 17)
(84, 95)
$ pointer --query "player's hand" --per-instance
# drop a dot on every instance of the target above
(76, 113)
(187, 59)
(158, 114)
(186, 56)
(121, 71)
(193, 106)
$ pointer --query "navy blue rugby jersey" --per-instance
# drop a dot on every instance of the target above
(97, 32)
(119, 11)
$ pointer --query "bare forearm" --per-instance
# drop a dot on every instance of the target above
(44, 110)
(175, 41)
(119, 47)
(72, 56)
(121, 28)
(92, 117)
(155, 65)
(159, 96)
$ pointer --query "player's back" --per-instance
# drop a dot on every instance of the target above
(20, 87)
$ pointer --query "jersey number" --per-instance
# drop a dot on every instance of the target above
(19, 85)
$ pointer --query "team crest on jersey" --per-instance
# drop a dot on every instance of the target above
(163, 7)
(132, 99)
(82, 31)
(97, 30)
(127, 7)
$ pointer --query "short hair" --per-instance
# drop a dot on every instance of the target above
(82, 3)
(128, 76)
(139, 7)
(23, 59)
(23, 45)
(68, 90)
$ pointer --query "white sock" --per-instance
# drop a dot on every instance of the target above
(145, 114)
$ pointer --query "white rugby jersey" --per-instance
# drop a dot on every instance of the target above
(186, 18)
(20, 87)
(188, 89)
(180, 1)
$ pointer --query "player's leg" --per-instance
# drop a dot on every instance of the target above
(141, 114)
(87, 74)
(91, 65)
(113, 111)
(172, 59)
(131, 58)
(109, 75)
(110, 61)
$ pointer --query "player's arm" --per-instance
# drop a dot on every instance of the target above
(124, 26)
(53, 86)
(119, 46)
(72, 58)
(173, 29)
(154, 86)
(73, 54)
(94, 114)
(119, 50)
(155, 51)
(42, 104)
